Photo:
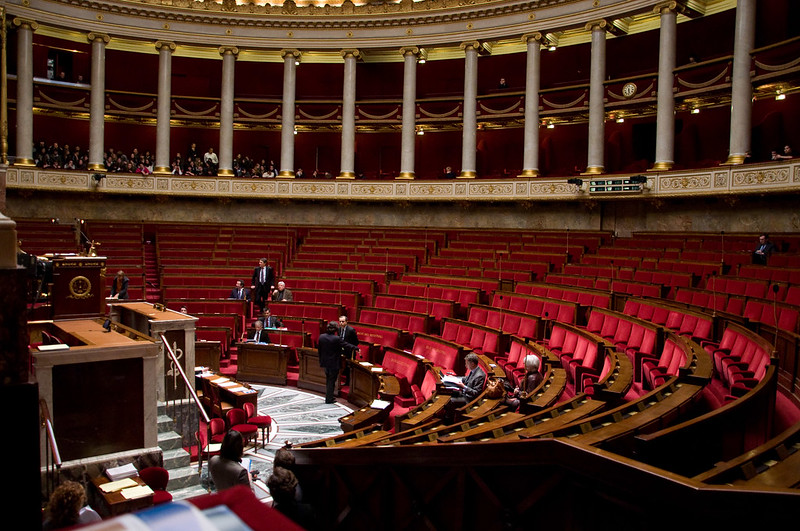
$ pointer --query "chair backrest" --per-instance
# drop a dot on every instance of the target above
(236, 416)
(155, 477)
(249, 409)
(217, 426)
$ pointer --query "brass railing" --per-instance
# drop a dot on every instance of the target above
(53, 462)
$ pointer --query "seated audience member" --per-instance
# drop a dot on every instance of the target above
(240, 292)
(259, 334)
(764, 249)
(449, 173)
(284, 458)
(468, 388)
(119, 286)
(282, 486)
(269, 320)
(299, 173)
(282, 294)
(270, 172)
(502, 84)
(530, 382)
(67, 507)
(226, 468)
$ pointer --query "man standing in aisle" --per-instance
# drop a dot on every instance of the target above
(330, 351)
(262, 283)
(349, 337)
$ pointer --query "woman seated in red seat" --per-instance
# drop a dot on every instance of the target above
(529, 383)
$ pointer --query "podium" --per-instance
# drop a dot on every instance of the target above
(78, 286)
(262, 363)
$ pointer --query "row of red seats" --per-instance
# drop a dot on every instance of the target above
(507, 321)
(462, 296)
(584, 298)
(564, 312)
(401, 320)
(481, 339)
(694, 325)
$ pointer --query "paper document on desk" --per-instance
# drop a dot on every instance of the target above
(451, 380)
(121, 472)
(240, 389)
(133, 493)
(228, 384)
(114, 486)
(379, 404)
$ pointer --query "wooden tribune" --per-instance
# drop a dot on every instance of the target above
(262, 363)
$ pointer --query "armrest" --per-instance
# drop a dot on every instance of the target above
(638, 360)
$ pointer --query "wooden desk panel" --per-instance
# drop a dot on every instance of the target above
(113, 503)
(262, 363)
(90, 332)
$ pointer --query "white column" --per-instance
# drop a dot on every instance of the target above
(533, 74)
(97, 102)
(665, 116)
(407, 150)
(349, 115)
(290, 58)
(25, 29)
(470, 120)
(228, 54)
(165, 50)
(741, 86)
(596, 98)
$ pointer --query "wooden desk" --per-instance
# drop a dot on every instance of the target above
(311, 375)
(207, 354)
(262, 363)
(80, 332)
(110, 504)
(226, 393)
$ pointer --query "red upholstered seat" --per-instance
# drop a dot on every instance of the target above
(237, 420)
(157, 478)
(263, 422)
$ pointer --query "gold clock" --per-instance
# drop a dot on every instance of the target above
(629, 90)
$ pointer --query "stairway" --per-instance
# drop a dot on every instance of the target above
(184, 481)
(152, 290)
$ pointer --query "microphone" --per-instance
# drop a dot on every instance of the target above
(775, 289)
(713, 278)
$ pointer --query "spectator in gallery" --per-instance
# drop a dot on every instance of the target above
(449, 173)
(270, 172)
(299, 173)
(210, 157)
(68, 507)
(119, 286)
(226, 469)
(763, 250)
(239, 292)
(192, 154)
(502, 84)
(282, 294)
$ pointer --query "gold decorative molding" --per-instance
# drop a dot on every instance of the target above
(662, 8)
(536, 36)
(406, 175)
(346, 175)
(528, 173)
(662, 166)
(291, 52)
(597, 24)
(475, 45)
(285, 174)
(468, 174)
(594, 170)
(350, 52)
(410, 50)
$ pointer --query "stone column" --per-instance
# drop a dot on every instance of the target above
(97, 105)
(290, 58)
(165, 50)
(470, 120)
(665, 117)
(595, 158)
(741, 86)
(25, 91)
(228, 54)
(407, 150)
(349, 115)
(533, 74)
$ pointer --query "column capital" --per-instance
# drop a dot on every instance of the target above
(598, 24)
(171, 46)
(409, 50)
(96, 36)
(537, 36)
(291, 52)
(354, 52)
(32, 24)
(475, 45)
(229, 50)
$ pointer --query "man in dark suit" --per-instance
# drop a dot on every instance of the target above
(119, 286)
(349, 336)
(764, 250)
(262, 283)
(240, 292)
(269, 320)
(468, 388)
(259, 334)
(330, 350)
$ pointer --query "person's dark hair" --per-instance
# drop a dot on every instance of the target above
(65, 504)
(281, 485)
(284, 458)
(232, 446)
(765, 235)
(332, 327)
(471, 357)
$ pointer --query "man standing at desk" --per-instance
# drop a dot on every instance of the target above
(331, 346)
(262, 283)
(350, 337)
(259, 334)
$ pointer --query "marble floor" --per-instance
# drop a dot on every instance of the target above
(297, 416)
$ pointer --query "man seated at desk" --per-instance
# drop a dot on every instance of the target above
(259, 334)
(240, 292)
(270, 321)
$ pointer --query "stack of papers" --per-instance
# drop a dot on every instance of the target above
(449, 379)
(379, 404)
(121, 472)
(57, 346)
(114, 486)
(228, 384)
(377, 369)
